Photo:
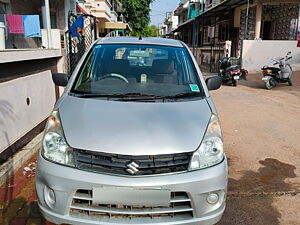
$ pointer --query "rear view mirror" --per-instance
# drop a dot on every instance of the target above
(213, 83)
(60, 79)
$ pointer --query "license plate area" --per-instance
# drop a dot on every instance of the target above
(236, 77)
(265, 78)
(131, 196)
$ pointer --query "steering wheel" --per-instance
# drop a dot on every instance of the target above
(115, 75)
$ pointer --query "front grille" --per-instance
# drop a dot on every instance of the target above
(82, 207)
(131, 165)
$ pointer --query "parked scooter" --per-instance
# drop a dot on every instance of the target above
(229, 70)
(272, 76)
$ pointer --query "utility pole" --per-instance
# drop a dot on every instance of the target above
(158, 29)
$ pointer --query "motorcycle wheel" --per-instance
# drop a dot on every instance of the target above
(290, 82)
(269, 86)
(234, 83)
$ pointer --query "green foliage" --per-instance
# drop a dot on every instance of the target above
(148, 31)
(138, 15)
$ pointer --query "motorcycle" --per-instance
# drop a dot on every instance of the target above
(229, 70)
(272, 76)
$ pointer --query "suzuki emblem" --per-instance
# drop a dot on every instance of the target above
(132, 168)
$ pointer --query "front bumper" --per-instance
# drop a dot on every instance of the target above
(65, 181)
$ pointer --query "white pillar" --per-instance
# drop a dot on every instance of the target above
(44, 22)
(48, 23)
(2, 36)
(259, 9)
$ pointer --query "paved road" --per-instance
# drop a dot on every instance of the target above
(262, 140)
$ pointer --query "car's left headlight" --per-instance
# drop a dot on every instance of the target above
(55, 147)
(211, 150)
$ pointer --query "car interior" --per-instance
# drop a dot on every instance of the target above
(161, 71)
(164, 67)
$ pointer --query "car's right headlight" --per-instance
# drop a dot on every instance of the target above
(211, 150)
(55, 147)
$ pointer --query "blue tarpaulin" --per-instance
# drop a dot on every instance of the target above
(74, 28)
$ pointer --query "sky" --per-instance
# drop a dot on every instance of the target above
(159, 9)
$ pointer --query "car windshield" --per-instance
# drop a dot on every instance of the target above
(138, 70)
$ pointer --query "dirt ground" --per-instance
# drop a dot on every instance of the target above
(261, 131)
(262, 141)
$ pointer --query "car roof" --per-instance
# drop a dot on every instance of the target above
(136, 40)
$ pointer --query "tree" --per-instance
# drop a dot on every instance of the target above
(148, 31)
(138, 15)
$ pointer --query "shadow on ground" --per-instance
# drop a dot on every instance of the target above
(255, 81)
(19, 212)
(250, 199)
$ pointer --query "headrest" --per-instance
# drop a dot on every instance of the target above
(163, 66)
(120, 66)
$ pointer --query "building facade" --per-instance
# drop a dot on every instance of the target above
(26, 64)
(109, 16)
(187, 12)
(231, 26)
(58, 14)
(170, 24)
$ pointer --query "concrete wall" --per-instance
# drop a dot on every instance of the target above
(257, 53)
(56, 37)
(27, 94)
(24, 103)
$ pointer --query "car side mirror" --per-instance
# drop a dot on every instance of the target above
(213, 83)
(60, 79)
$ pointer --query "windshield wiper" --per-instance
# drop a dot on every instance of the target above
(140, 97)
(126, 95)
(184, 95)
(93, 95)
(137, 94)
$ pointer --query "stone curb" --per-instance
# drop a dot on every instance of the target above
(14, 163)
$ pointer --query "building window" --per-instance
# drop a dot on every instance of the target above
(223, 32)
(3, 8)
(280, 22)
(206, 38)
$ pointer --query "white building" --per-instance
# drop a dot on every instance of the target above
(170, 23)
(109, 15)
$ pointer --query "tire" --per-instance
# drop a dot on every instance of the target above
(269, 86)
(234, 83)
(290, 82)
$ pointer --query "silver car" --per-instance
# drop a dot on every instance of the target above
(134, 139)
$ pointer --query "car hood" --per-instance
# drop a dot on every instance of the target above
(134, 128)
